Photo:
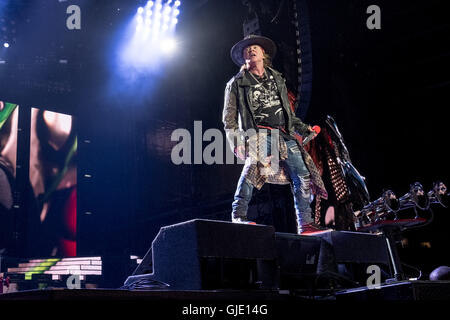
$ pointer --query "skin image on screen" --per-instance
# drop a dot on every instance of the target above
(53, 178)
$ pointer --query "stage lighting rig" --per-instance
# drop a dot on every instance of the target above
(157, 20)
(388, 211)
(152, 36)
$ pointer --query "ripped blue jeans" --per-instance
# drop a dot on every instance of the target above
(300, 186)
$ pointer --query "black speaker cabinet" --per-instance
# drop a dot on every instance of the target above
(208, 254)
(297, 258)
(351, 253)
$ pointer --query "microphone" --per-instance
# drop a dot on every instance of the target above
(311, 135)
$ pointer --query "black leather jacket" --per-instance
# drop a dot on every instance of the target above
(238, 116)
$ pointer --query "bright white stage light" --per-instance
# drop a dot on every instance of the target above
(168, 45)
(153, 37)
(6, 45)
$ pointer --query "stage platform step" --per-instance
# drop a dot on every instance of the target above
(92, 272)
(58, 267)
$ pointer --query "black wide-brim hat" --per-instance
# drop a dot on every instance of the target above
(237, 50)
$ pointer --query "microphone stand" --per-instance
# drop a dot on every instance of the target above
(392, 233)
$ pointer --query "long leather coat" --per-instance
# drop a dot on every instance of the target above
(238, 116)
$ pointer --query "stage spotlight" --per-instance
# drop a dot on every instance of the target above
(168, 45)
(6, 45)
(151, 36)
(162, 18)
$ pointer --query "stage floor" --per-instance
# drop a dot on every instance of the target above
(154, 295)
(395, 291)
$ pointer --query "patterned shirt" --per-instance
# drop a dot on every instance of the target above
(265, 101)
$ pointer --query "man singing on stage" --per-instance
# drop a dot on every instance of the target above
(257, 105)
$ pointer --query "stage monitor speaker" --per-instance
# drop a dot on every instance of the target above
(297, 258)
(208, 254)
(351, 253)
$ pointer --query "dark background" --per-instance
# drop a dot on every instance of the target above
(386, 89)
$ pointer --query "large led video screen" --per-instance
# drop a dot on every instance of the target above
(8, 158)
(53, 178)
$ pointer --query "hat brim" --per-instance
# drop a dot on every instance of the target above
(237, 50)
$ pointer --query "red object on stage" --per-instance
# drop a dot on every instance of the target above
(316, 129)
(69, 245)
